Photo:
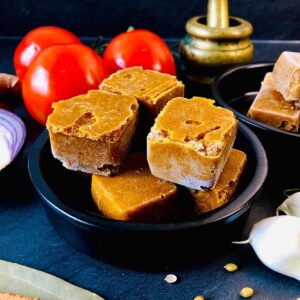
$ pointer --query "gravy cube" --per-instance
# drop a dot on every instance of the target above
(206, 201)
(92, 133)
(286, 74)
(190, 142)
(152, 89)
(134, 194)
(269, 107)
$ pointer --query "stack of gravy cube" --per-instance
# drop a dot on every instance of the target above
(190, 144)
(278, 101)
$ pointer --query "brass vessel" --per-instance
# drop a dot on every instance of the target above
(215, 42)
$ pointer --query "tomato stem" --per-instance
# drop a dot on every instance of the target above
(98, 45)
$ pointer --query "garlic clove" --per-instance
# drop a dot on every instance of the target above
(291, 206)
(276, 241)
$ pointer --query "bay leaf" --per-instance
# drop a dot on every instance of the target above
(15, 278)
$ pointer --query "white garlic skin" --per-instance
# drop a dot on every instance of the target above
(276, 241)
(291, 206)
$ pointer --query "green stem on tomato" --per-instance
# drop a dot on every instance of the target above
(98, 45)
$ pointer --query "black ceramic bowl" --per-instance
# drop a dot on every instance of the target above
(236, 89)
(70, 210)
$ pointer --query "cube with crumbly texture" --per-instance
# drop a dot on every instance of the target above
(92, 133)
(270, 107)
(134, 194)
(206, 201)
(151, 88)
(286, 74)
(190, 142)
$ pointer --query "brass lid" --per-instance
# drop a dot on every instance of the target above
(238, 29)
(217, 24)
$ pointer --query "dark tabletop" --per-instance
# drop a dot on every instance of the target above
(27, 238)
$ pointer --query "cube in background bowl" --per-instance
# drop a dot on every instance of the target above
(236, 89)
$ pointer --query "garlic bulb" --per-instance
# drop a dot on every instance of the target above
(276, 241)
(291, 206)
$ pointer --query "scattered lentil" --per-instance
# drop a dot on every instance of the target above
(231, 267)
(171, 278)
(247, 292)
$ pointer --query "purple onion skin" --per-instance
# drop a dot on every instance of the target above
(13, 131)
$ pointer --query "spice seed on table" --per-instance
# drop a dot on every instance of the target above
(231, 267)
(200, 297)
(171, 278)
(247, 292)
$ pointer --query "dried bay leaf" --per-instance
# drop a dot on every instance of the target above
(15, 278)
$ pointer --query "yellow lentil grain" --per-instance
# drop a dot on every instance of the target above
(231, 267)
(200, 297)
(247, 292)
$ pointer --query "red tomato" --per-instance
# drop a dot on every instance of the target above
(139, 48)
(38, 40)
(58, 73)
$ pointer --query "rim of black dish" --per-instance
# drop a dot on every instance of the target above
(226, 214)
(217, 95)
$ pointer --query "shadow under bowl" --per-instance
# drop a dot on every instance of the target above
(69, 206)
(236, 89)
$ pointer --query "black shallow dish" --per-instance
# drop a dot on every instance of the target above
(235, 90)
(68, 203)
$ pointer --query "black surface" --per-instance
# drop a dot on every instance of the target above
(271, 19)
(26, 237)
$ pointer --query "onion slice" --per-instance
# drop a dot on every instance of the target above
(12, 136)
(18, 128)
(8, 131)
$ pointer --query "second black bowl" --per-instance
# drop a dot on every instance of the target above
(236, 89)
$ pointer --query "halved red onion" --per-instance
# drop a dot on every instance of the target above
(18, 129)
(8, 131)
(12, 136)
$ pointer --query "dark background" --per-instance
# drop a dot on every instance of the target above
(272, 19)
(27, 238)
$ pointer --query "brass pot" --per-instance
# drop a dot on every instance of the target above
(215, 42)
